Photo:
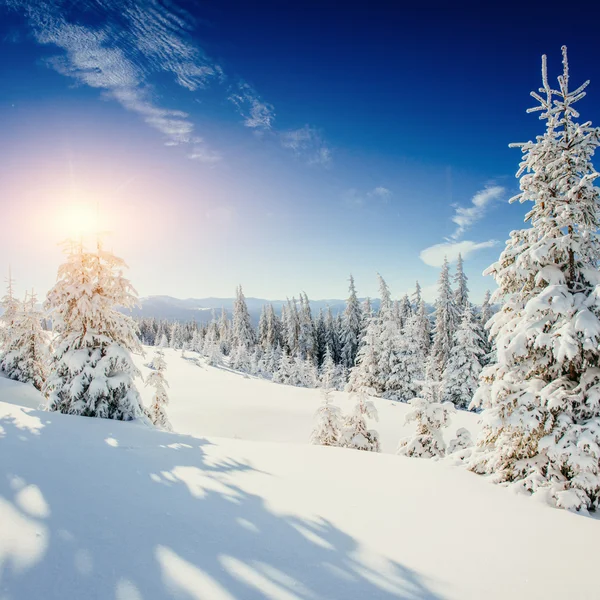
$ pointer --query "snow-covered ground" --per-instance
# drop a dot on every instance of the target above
(97, 509)
(220, 402)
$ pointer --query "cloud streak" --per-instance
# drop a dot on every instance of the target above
(307, 143)
(434, 255)
(465, 217)
(257, 114)
(354, 197)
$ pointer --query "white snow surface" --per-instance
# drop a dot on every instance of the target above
(213, 401)
(99, 509)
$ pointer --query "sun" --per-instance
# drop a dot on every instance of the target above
(79, 220)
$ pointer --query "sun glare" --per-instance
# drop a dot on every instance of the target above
(79, 220)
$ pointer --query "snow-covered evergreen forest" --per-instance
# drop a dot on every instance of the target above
(527, 359)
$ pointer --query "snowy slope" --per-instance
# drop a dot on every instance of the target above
(215, 401)
(97, 509)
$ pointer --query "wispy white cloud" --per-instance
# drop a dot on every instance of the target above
(465, 217)
(117, 58)
(205, 155)
(308, 143)
(434, 255)
(354, 197)
(257, 113)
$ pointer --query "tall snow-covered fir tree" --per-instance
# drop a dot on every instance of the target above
(460, 379)
(25, 355)
(541, 399)
(422, 325)
(366, 370)
(352, 325)
(156, 379)
(10, 307)
(307, 337)
(485, 315)
(224, 333)
(242, 332)
(446, 319)
(408, 370)
(92, 369)
(461, 291)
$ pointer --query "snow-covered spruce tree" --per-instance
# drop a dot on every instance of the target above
(328, 426)
(355, 433)
(461, 375)
(422, 328)
(407, 372)
(242, 332)
(430, 418)
(286, 370)
(92, 369)
(386, 345)
(10, 307)
(307, 337)
(366, 370)
(446, 319)
(485, 314)
(156, 379)
(330, 339)
(224, 333)
(405, 311)
(332, 375)
(541, 399)
(352, 325)
(25, 355)
(461, 293)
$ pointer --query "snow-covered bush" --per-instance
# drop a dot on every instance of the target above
(462, 441)
(430, 418)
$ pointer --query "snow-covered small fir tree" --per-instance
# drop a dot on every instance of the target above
(156, 379)
(328, 426)
(25, 355)
(446, 319)
(430, 418)
(10, 307)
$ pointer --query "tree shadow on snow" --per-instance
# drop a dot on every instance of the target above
(146, 516)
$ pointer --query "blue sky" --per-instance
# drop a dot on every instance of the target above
(277, 145)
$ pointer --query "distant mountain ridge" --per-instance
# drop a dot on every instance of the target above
(200, 309)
